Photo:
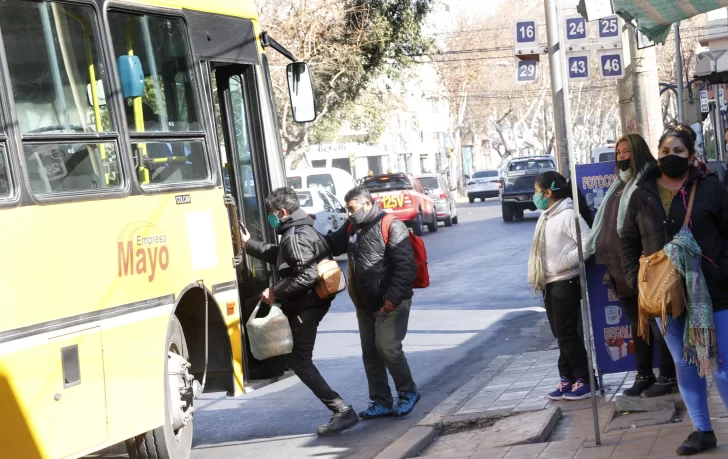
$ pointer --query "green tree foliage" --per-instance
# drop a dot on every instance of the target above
(350, 44)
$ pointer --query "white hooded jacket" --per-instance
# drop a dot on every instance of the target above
(561, 253)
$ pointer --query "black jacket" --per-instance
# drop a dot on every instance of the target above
(376, 272)
(647, 229)
(296, 259)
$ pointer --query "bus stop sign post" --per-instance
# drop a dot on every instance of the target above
(575, 190)
(527, 50)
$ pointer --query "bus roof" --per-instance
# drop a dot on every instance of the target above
(237, 8)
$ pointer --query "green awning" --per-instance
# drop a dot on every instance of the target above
(654, 17)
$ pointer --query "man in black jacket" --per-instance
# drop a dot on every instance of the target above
(296, 258)
(380, 286)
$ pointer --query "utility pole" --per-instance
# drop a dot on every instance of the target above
(679, 75)
(557, 84)
(640, 108)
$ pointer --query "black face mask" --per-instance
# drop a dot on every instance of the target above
(624, 165)
(358, 217)
(674, 166)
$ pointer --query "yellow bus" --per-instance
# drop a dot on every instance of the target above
(128, 131)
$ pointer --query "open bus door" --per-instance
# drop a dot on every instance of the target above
(246, 179)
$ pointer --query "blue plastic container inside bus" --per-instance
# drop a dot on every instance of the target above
(131, 75)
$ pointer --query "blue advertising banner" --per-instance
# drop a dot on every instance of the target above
(610, 325)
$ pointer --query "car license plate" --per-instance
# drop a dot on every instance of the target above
(392, 201)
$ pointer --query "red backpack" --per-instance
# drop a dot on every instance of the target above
(422, 275)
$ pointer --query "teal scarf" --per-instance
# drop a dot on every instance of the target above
(699, 344)
(596, 229)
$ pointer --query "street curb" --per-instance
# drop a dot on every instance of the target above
(421, 435)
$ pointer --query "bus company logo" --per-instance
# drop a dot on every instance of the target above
(143, 256)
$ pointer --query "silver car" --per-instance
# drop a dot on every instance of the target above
(483, 184)
(445, 204)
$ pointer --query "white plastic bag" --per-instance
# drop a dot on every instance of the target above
(271, 335)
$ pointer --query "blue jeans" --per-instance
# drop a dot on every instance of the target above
(693, 388)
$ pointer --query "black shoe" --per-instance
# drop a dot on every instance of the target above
(341, 420)
(663, 386)
(641, 383)
(697, 442)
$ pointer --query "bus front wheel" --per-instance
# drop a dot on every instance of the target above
(173, 440)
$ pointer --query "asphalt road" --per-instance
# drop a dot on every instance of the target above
(477, 307)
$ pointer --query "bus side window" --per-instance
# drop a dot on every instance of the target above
(58, 84)
(156, 72)
(4, 174)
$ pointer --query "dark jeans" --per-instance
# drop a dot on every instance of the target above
(381, 344)
(643, 351)
(563, 309)
(304, 325)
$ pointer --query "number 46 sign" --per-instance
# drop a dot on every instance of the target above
(611, 64)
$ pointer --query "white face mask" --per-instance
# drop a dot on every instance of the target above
(625, 176)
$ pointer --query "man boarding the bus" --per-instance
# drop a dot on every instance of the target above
(380, 285)
(296, 258)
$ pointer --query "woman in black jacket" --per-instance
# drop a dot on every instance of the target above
(633, 159)
(655, 215)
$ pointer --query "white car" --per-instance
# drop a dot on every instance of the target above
(483, 185)
(332, 179)
(327, 212)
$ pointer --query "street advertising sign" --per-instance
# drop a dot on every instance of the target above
(596, 9)
(704, 103)
(611, 329)
(578, 64)
(609, 29)
(526, 71)
(576, 30)
(526, 33)
(611, 64)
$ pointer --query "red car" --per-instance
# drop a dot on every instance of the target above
(405, 197)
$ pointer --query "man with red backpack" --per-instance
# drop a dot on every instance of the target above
(381, 274)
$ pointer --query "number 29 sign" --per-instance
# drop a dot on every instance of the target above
(526, 72)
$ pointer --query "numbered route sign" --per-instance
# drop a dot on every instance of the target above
(526, 71)
(609, 29)
(526, 33)
(611, 64)
(578, 65)
(576, 30)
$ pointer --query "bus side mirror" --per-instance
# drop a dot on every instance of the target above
(300, 89)
(131, 76)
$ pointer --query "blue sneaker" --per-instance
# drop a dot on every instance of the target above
(563, 388)
(405, 403)
(375, 411)
(579, 391)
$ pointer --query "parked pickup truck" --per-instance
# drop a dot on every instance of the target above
(405, 197)
(517, 180)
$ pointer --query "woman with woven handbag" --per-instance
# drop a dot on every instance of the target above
(633, 159)
(680, 214)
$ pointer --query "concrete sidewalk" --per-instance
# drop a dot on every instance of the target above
(471, 423)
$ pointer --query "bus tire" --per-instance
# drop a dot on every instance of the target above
(164, 442)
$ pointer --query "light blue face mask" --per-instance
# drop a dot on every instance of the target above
(541, 201)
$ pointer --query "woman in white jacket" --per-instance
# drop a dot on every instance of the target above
(553, 269)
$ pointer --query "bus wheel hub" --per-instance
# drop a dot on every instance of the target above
(180, 390)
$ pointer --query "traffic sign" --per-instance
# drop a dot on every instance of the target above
(704, 102)
(611, 64)
(576, 30)
(578, 65)
(526, 33)
(526, 72)
(609, 28)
